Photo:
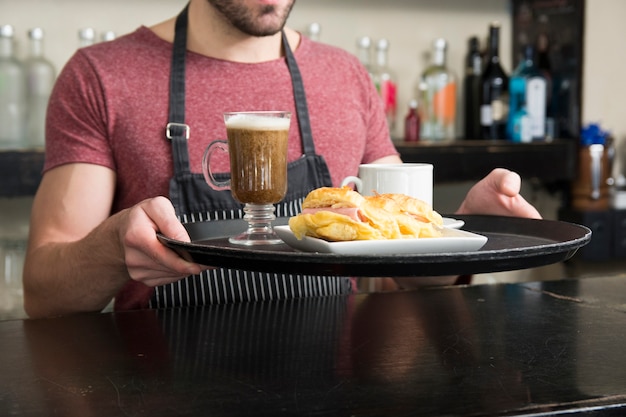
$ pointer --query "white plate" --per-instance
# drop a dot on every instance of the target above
(452, 223)
(453, 240)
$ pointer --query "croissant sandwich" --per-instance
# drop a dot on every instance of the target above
(342, 214)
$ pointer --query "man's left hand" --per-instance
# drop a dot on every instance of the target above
(498, 194)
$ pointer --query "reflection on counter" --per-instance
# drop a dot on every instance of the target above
(12, 262)
(13, 237)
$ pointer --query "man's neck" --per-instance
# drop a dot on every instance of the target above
(208, 34)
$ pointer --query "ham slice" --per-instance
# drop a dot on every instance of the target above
(352, 212)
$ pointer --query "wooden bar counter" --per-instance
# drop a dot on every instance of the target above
(531, 349)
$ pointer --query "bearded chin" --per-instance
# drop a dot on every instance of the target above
(265, 30)
(259, 28)
(267, 22)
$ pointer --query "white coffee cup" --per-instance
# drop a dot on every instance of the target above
(415, 180)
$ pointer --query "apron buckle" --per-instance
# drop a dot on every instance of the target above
(176, 126)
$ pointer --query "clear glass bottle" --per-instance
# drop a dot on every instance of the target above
(527, 101)
(494, 90)
(86, 37)
(313, 31)
(12, 92)
(364, 53)
(386, 82)
(107, 35)
(439, 97)
(40, 76)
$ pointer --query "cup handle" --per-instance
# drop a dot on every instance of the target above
(206, 168)
(355, 180)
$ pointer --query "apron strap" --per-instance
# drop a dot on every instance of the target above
(302, 109)
(177, 131)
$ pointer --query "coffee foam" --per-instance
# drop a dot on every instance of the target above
(257, 122)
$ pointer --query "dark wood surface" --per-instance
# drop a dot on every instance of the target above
(531, 349)
(471, 160)
(20, 170)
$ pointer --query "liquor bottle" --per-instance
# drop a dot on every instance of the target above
(412, 123)
(107, 35)
(439, 97)
(12, 92)
(545, 67)
(40, 76)
(527, 101)
(86, 37)
(313, 31)
(364, 53)
(386, 82)
(494, 90)
(471, 89)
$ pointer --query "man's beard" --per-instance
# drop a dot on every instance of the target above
(253, 22)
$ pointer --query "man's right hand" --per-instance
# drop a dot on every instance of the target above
(147, 259)
(80, 256)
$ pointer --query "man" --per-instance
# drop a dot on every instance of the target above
(117, 143)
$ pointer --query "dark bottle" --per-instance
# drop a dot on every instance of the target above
(412, 123)
(471, 90)
(494, 90)
(543, 63)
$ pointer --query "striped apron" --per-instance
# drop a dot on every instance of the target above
(195, 201)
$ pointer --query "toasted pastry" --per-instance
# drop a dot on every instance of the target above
(417, 208)
(342, 214)
(329, 225)
(331, 197)
(415, 217)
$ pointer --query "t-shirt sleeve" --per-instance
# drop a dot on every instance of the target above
(76, 121)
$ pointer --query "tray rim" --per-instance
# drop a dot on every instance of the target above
(490, 260)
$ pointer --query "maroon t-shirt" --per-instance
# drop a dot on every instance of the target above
(110, 107)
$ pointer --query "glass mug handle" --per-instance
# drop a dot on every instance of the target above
(356, 180)
(221, 145)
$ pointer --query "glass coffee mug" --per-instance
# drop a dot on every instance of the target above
(257, 148)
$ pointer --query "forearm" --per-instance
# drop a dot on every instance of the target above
(70, 277)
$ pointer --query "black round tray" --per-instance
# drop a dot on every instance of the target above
(513, 243)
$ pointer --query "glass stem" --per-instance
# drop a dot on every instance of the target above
(259, 217)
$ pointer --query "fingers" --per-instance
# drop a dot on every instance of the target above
(147, 259)
(150, 258)
(519, 207)
(508, 187)
(161, 211)
(498, 194)
(505, 182)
